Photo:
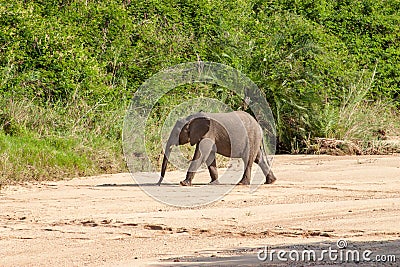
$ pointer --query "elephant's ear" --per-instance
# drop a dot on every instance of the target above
(197, 129)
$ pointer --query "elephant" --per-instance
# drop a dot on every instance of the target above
(234, 134)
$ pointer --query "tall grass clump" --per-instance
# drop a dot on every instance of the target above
(356, 118)
(64, 140)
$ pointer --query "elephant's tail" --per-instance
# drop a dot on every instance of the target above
(264, 152)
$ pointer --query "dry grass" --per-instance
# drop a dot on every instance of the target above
(330, 146)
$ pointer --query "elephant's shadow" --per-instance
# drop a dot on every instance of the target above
(155, 184)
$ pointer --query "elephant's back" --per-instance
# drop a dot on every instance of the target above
(235, 121)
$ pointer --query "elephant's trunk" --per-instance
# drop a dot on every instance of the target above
(164, 163)
(173, 140)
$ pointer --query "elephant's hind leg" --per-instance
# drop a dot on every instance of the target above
(248, 163)
(246, 176)
(265, 166)
(212, 169)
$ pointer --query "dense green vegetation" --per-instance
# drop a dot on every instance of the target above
(68, 69)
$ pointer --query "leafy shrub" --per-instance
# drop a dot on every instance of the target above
(69, 68)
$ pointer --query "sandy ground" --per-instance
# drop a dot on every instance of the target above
(109, 221)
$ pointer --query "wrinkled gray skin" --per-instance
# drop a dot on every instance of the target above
(234, 134)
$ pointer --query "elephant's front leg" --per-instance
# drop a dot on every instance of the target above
(202, 153)
(194, 165)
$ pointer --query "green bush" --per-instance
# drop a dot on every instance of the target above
(69, 68)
